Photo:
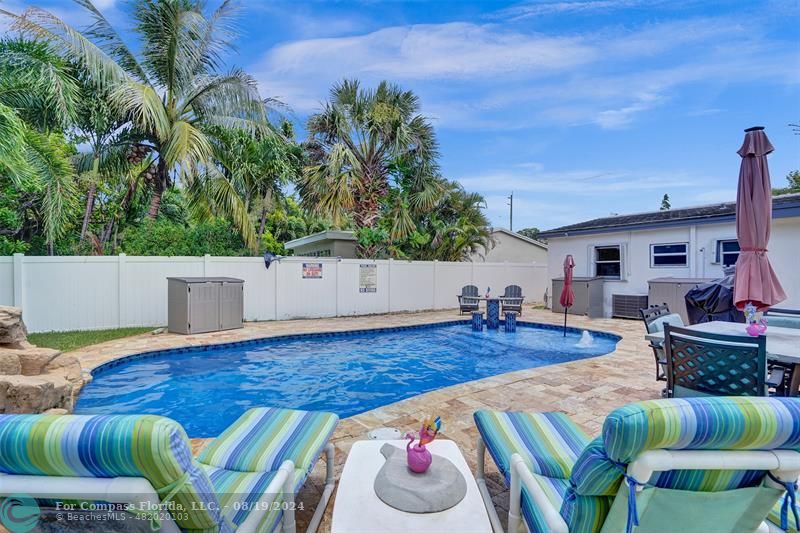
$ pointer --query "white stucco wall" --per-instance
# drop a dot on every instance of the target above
(513, 250)
(784, 252)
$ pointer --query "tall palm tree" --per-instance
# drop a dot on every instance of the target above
(174, 90)
(354, 143)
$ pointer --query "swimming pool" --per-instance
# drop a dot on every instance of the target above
(205, 388)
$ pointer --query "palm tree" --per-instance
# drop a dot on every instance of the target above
(37, 102)
(173, 91)
(355, 142)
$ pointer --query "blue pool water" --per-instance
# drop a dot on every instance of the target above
(206, 389)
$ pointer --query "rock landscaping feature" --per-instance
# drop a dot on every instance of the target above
(33, 379)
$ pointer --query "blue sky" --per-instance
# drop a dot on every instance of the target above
(580, 108)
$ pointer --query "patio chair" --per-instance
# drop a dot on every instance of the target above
(784, 318)
(245, 480)
(701, 363)
(512, 299)
(691, 465)
(654, 318)
(468, 299)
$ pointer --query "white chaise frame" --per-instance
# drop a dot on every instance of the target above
(783, 464)
(137, 490)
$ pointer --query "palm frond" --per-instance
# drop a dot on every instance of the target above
(107, 38)
(187, 147)
(144, 106)
(40, 24)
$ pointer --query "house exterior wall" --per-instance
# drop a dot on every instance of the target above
(636, 263)
(513, 250)
(328, 248)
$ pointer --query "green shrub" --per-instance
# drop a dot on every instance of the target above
(163, 237)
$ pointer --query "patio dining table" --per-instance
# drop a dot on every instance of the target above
(492, 309)
(783, 344)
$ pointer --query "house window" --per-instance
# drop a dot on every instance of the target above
(669, 255)
(607, 261)
(727, 252)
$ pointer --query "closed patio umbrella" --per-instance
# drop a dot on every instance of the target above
(755, 280)
(567, 295)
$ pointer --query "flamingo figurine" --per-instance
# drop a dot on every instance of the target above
(418, 456)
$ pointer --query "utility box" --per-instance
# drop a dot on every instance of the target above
(588, 297)
(672, 291)
(200, 305)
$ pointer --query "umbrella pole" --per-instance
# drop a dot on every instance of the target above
(565, 321)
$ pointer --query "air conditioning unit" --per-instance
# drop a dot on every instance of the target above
(627, 305)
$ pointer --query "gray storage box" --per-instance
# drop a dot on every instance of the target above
(588, 297)
(672, 291)
(200, 305)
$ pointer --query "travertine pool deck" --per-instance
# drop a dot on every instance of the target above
(586, 390)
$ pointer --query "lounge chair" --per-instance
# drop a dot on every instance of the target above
(654, 318)
(512, 299)
(701, 363)
(468, 299)
(244, 480)
(784, 318)
(697, 464)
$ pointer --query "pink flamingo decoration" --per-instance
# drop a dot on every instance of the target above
(418, 456)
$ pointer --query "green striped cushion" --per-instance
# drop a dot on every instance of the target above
(554, 489)
(549, 443)
(263, 438)
(239, 494)
(104, 446)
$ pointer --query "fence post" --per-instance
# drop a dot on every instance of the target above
(336, 285)
(389, 285)
(206, 262)
(435, 275)
(18, 294)
(275, 265)
(122, 275)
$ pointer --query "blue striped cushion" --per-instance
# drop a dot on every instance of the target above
(554, 489)
(549, 443)
(105, 446)
(240, 492)
(263, 438)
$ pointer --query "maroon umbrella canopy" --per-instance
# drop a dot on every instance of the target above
(755, 281)
(567, 295)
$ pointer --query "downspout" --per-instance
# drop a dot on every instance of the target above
(696, 254)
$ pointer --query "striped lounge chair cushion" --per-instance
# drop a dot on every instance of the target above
(105, 446)
(240, 492)
(549, 443)
(263, 438)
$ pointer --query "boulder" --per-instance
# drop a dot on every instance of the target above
(9, 363)
(34, 359)
(66, 366)
(56, 411)
(12, 328)
(34, 394)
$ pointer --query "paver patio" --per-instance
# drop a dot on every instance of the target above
(586, 390)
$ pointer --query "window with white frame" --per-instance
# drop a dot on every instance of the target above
(608, 261)
(669, 255)
(727, 252)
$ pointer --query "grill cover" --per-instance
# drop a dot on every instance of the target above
(712, 301)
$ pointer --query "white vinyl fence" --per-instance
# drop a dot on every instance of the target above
(80, 293)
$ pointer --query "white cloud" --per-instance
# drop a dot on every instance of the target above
(538, 9)
(495, 77)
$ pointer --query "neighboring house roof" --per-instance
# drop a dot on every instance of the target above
(787, 205)
(331, 235)
(520, 237)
